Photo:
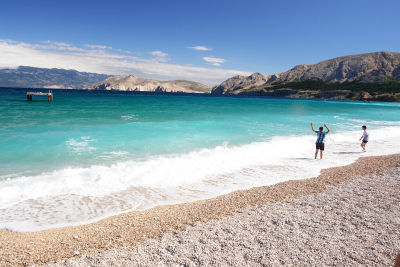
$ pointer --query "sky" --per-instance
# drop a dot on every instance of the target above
(205, 41)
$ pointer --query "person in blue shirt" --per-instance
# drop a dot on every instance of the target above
(319, 144)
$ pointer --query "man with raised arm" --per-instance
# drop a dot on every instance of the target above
(319, 144)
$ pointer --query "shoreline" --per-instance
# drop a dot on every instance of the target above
(248, 95)
(352, 224)
(133, 228)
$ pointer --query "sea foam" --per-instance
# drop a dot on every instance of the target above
(73, 196)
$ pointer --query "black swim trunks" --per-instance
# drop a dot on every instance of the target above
(320, 146)
(365, 141)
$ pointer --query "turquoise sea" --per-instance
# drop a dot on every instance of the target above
(91, 154)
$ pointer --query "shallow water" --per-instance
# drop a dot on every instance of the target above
(90, 154)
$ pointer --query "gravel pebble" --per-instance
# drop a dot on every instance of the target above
(136, 227)
(354, 224)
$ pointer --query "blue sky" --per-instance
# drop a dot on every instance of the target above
(154, 38)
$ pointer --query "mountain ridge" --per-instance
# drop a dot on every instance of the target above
(32, 77)
(371, 76)
(136, 83)
(368, 76)
(369, 67)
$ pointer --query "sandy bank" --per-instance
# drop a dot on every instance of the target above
(136, 227)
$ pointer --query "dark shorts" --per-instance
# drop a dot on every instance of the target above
(320, 146)
(365, 141)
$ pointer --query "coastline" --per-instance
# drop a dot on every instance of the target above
(300, 95)
(133, 228)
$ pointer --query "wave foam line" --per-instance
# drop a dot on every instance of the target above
(172, 171)
(230, 168)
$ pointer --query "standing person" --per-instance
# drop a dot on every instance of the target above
(364, 137)
(319, 144)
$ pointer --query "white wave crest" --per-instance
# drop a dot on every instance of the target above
(172, 179)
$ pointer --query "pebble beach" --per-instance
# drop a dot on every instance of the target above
(346, 216)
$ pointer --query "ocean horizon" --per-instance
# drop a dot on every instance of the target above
(91, 154)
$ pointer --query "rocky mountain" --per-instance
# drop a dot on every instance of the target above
(135, 83)
(240, 82)
(371, 67)
(364, 68)
(31, 77)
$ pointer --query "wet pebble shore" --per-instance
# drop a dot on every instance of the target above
(354, 224)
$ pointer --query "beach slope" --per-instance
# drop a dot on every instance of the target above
(346, 215)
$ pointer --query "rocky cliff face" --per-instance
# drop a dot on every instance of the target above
(371, 67)
(135, 83)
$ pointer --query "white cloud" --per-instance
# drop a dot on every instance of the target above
(67, 56)
(159, 54)
(98, 46)
(200, 48)
(50, 45)
(214, 60)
